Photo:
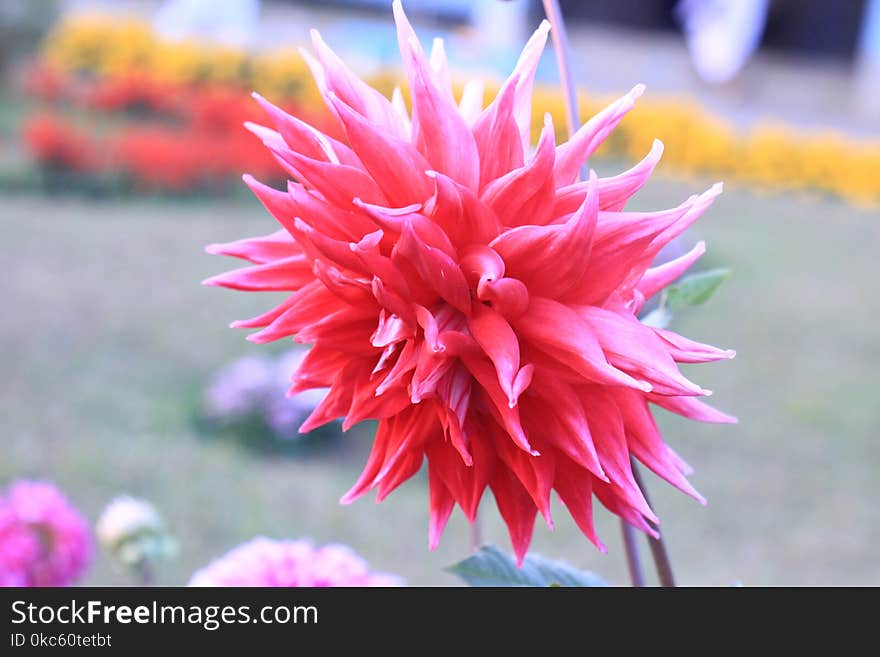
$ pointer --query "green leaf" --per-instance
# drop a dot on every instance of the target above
(492, 567)
(695, 289)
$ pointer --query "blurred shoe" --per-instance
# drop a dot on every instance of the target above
(721, 34)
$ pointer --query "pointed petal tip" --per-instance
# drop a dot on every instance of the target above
(690, 491)
(306, 426)
(637, 91)
(255, 129)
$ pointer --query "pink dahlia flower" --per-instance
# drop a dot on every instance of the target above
(474, 296)
(19, 547)
(264, 562)
(44, 541)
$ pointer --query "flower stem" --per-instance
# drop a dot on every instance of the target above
(145, 573)
(563, 57)
(476, 534)
(633, 562)
(658, 547)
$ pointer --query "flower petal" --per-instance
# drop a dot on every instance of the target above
(498, 138)
(516, 508)
(258, 250)
(439, 131)
(645, 443)
(524, 72)
(440, 67)
(657, 278)
(613, 192)
(575, 490)
(561, 419)
(525, 195)
(683, 350)
(693, 408)
(395, 165)
(332, 75)
(471, 104)
(633, 347)
(436, 268)
(338, 183)
(288, 274)
(551, 259)
(550, 323)
(573, 154)
(305, 139)
(497, 339)
(458, 211)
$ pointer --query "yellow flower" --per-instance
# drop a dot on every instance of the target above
(771, 155)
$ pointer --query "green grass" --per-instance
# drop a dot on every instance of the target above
(109, 338)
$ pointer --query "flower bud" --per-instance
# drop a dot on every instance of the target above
(133, 532)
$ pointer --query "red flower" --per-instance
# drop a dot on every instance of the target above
(474, 298)
(217, 109)
(159, 158)
(44, 82)
(129, 92)
(55, 142)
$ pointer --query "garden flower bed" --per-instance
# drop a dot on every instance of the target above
(168, 102)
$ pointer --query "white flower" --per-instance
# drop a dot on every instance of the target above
(133, 531)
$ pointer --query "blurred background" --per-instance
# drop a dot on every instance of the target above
(121, 151)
